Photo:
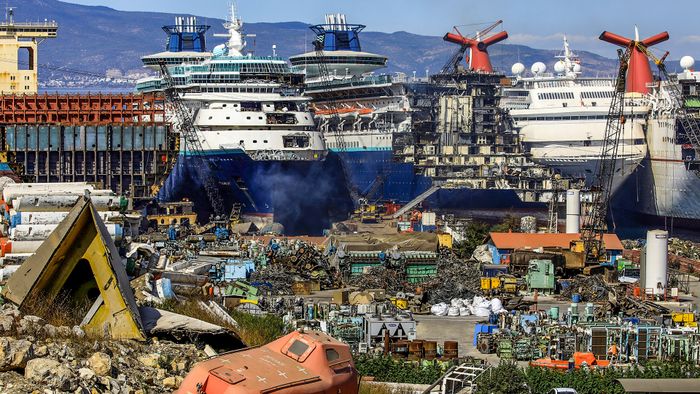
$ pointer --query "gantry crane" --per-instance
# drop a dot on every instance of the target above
(204, 168)
(595, 225)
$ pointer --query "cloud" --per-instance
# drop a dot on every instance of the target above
(692, 39)
(535, 39)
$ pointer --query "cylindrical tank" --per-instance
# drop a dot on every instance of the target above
(51, 203)
(656, 261)
(21, 247)
(37, 232)
(573, 211)
(51, 217)
(12, 191)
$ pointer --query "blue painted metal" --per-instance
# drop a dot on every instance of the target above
(190, 41)
(335, 39)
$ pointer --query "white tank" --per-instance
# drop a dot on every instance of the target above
(52, 203)
(12, 191)
(24, 246)
(52, 217)
(573, 211)
(38, 232)
(655, 262)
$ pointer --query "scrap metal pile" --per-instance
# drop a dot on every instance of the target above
(287, 261)
(392, 279)
(456, 279)
(613, 298)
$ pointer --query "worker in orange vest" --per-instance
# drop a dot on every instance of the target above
(613, 351)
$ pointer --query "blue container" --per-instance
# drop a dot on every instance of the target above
(576, 298)
(485, 328)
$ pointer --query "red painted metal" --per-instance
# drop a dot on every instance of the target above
(639, 72)
(480, 60)
(82, 109)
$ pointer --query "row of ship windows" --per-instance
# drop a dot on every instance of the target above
(238, 90)
(608, 94)
(555, 96)
(570, 95)
(582, 117)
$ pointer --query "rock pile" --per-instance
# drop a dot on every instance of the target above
(38, 357)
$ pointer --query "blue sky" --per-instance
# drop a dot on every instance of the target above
(535, 23)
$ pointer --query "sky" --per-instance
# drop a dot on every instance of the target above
(535, 23)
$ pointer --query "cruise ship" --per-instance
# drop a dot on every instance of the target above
(561, 118)
(666, 185)
(398, 141)
(255, 127)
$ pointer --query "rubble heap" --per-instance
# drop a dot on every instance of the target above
(35, 355)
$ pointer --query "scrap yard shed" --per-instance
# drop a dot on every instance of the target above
(506, 243)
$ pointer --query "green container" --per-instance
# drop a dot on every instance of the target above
(357, 269)
(417, 273)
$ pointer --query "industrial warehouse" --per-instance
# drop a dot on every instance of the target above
(245, 223)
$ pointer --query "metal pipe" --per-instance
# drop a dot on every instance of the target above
(36, 232)
(53, 203)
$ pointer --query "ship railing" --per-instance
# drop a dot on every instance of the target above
(29, 24)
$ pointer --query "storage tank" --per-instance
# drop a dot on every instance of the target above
(12, 191)
(573, 211)
(656, 261)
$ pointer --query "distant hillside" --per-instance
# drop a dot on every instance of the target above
(96, 39)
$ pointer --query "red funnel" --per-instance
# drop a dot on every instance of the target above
(639, 72)
(480, 60)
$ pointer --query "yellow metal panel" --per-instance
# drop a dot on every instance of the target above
(79, 241)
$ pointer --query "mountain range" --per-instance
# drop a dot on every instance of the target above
(95, 39)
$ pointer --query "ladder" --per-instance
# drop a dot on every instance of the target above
(203, 166)
(421, 197)
(325, 81)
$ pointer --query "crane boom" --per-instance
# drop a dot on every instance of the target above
(203, 166)
(595, 223)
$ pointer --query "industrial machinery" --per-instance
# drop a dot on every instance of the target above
(501, 284)
(540, 276)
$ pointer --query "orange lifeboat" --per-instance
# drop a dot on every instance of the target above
(297, 363)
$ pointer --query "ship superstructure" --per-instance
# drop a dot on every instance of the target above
(19, 45)
(251, 120)
(120, 142)
(561, 119)
(667, 182)
(401, 138)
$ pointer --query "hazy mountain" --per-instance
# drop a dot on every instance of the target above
(96, 39)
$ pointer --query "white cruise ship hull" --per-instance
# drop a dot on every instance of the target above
(664, 187)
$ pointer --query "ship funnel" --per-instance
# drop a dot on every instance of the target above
(479, 59)
(639, 72)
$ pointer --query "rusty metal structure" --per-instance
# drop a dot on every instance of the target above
(121, 142)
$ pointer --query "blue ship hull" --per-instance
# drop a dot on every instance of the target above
(305, 196)
(399, 182)
(308, 196)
